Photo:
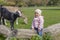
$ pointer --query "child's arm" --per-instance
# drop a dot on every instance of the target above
(33, 24)
(41, 22)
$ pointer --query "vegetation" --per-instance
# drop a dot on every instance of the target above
(47, 36)
(50, 16)
(28, 3)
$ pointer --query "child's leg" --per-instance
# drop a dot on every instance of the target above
(36, 30)
(41, 32)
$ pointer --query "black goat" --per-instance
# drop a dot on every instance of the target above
(5, 14)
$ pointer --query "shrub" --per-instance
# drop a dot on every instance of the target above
(47, 36)
(37, 37)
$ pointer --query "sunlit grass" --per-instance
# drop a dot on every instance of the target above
(50, 16)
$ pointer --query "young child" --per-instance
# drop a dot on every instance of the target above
(38, 22)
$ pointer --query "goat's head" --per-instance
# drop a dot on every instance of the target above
(19, 13)
(22, 16)
(1, 7)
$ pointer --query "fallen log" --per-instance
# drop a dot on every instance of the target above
(54, 31)
(22, 33)
(4, 30)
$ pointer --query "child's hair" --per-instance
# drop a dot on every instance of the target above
(38, 11)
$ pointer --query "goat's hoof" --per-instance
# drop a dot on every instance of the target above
(14, 32)
(0, 23)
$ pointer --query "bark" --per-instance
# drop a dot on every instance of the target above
(21, 33)
(54, 31)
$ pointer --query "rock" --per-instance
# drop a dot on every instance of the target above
(54, 30)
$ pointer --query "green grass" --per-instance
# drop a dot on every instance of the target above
(50, 16)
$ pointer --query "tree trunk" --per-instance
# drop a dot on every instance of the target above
(22, 33)
(54, 31)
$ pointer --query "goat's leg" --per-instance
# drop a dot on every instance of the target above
(12, 25)
(0, 20)
(14, 31)
(17, 21)
(3, 22)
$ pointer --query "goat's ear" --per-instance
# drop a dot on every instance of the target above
(16, 13)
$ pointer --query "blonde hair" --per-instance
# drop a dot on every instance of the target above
(38, 11)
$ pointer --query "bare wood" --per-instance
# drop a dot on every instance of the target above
(22, 33)
(25, 33)
(4, 30)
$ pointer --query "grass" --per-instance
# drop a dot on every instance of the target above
(50, 16)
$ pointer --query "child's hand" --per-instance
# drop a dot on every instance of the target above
(38, 30)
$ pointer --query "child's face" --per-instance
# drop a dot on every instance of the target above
(36, 14)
